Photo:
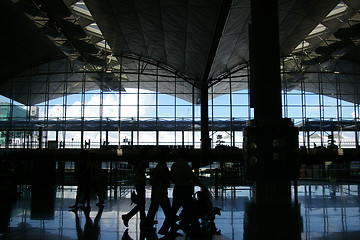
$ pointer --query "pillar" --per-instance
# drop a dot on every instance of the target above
(205, 140)
(82, 138)
(270, 141)
(107, 138)
(40, 137)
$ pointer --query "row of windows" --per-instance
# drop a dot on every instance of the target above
(95, 139)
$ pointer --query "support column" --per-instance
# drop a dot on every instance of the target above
(40, 137)
(7, 139)
(107, 138)
(270, 142)
(265, 81)
(205, 140)
(82, 138)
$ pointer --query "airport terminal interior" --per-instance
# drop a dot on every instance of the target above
(263, 96)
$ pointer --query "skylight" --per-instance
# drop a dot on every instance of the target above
(80, 9)
(103, 44)
(302, 45)
(339, 9)
(318, 29)
(94, 29)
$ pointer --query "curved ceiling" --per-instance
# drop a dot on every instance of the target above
(192, 40)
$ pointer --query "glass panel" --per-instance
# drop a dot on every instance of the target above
(240, 99)
(221, 111)
(147, 99)
(147, 138)
(111, 112)
(129, 98)
(222, 100)
(329, 101)
(166, 138)
(240, 112)
(147, 111)
(184, 111)
(128, 111)
(182, 102)
(166, 111)
(312, 100)
(92, 139)
(164, 99)
(294, 112)
(110, 99)
(73, 111)
(125, 138)
(312, 112)
(348, 112)
(92, 112)
(330, 112)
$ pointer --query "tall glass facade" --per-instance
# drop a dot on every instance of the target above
(152, 106)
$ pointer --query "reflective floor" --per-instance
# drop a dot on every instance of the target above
(327, 211)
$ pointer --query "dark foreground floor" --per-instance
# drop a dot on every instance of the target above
(327, 211)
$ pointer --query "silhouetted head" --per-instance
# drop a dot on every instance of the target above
(183, 153)
(163, 155)
(144, 153)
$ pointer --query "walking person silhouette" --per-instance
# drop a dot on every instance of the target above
(141, 163)
(184, 180)
(159, 192)
(82, 177)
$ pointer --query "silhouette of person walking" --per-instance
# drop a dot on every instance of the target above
(184, 180)
(88, 180)
(140, 180)
(94, 180)
(159, 192)
(82, 178)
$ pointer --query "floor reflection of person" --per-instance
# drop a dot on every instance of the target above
(91, 228)
(141, 164)
(148, 235)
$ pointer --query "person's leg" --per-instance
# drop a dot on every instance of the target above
(169, 217)
(100, 196)
(140, 189)
(177, 200)
(129, 215)
(174, 208)
(154, 207)
(87, 192)
(190, 213)
(79, 196)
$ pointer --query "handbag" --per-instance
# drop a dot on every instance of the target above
(134, 197)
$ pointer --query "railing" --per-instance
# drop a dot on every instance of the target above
(331, 172)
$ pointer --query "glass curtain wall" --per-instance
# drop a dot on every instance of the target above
(149, 106)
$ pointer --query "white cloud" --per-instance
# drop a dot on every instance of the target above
(110, 106)
(110, 110)
(353, 115)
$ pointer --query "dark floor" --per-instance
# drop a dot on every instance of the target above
(328, 211)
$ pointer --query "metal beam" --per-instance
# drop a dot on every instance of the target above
(222, 17)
